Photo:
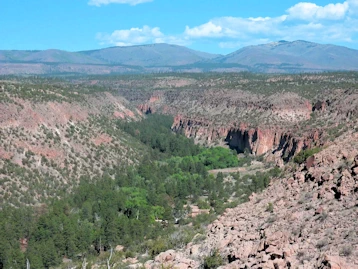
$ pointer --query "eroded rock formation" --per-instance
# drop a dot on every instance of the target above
(242, 138)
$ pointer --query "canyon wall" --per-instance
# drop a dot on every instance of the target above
(263, 118)
(242, 138)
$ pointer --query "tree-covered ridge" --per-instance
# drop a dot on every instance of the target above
(129, 205)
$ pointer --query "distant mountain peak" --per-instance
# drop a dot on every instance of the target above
(293, 56)
(275, 57)
(285, 42)
(276, 43)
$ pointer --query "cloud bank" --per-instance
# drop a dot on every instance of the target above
(132, 36)
(335, 22)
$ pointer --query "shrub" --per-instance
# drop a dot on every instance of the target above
(203, 204)
(269, 207)
(303, 155)
(271, 219)
(129, 254)
(345, 251)
(321, 243)
(213, 261)
(322, 217)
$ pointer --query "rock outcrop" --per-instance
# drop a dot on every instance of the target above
(242, 138)
(312, 224)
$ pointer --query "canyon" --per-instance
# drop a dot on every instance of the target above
(57, 132)
(257, 121)
(307, 219)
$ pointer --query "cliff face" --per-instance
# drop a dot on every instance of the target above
(243, 138)
(260, 141)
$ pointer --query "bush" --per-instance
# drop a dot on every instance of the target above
(213, 261)
(271, 219)
(303, 155)
(203, 204)
(345, 251)
(159, 245)
(269, 207)
(322, 243)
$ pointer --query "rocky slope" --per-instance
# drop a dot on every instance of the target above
(305, 220)
(52, 135)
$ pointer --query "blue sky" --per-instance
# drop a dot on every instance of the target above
(217, 26)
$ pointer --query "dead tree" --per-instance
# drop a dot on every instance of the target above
(109, 259)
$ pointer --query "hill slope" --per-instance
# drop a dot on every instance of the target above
(296, 55)
(53, 135)
(276, 57)
(144, 55)
(149, 55)
(46, 56)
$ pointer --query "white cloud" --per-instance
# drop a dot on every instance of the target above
(131, 36)
(310, 11)
(335, 22)
(205, 30)
(234, 27)
(137, 36)
(106, 2)
(353, 7)
(176, 40)
(332, 23)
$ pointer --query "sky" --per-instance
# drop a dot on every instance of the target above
(215, 26)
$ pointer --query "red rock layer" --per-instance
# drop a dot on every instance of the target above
(243, 138)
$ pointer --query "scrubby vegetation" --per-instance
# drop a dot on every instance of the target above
(213, 261)
(124, 206)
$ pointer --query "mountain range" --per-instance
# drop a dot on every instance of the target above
(275, 57)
